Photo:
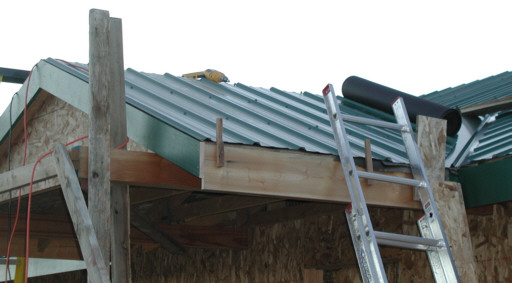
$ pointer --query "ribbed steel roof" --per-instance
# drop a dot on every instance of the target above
(495, 139)
(473, 93)
(252, 115)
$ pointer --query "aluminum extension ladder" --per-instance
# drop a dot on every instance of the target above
(365, 239)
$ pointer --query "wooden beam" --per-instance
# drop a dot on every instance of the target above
(292, 174)
(220, 143)
(99, 127)
(152, 231)
(93, 257)
(120, 194)
(295, 212)
(214, 237)
(432, 145)
(216, 205)
(140, 195)
(20, 177)
(134, 168)
(143, 169)
(57, 233)
(488, 107)
(368, 158)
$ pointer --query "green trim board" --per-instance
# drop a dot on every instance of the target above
(164, 140)
(487, 183)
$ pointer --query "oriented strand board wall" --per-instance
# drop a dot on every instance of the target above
(491, 236)
(51, 121)
(277, 253)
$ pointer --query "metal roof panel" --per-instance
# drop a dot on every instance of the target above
(252, 115)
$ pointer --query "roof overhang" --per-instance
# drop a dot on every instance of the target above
(250, 170)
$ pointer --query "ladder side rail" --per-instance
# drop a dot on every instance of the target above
(425, 193)
(365, 229)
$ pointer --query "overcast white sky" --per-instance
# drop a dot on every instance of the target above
(416, 47)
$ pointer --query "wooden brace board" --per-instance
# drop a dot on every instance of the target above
(292, 174)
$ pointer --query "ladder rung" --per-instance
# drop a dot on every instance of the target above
(391, 179)
(406, 241)
(372, 122)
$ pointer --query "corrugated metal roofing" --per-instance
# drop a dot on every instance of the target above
(252, 115)
(266, 117)
(473, 93)
(496, 139)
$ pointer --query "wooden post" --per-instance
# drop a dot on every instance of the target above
(220, 143)
(96, 268)
(432, 145)
(120, 197)
(99, 144)
(368, 158)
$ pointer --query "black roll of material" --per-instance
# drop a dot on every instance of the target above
(381, 97)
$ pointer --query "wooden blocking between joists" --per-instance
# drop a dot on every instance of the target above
(220, 143)
(368, 158)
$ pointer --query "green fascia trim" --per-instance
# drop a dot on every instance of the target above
(164, 140)
(487, 183)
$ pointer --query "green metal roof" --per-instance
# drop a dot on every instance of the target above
(252, 115)
(473, 93)
(495, 139)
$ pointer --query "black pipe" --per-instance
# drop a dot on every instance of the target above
(381, 97)
(13, 75)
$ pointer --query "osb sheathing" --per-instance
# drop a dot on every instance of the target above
(279, 252)
(492, 243)
(51, 121)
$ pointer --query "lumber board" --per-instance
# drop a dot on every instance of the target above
(143, 169)
(487, 107)
(432, 146)
(120, 194)
(221, 204)
(53, 236)
(155, 233)
(134, 168)
(20, 177)
(220, 142)
(99, 127)
(368, 158)
(294, 212)
(140, 195)
(93, 257)
(292, 174)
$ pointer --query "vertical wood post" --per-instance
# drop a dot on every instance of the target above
(220, 143)
(432, 145)
(368, 158)
(120, 198)
(99, 144)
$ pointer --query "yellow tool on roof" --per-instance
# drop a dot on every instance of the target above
(209, 74)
